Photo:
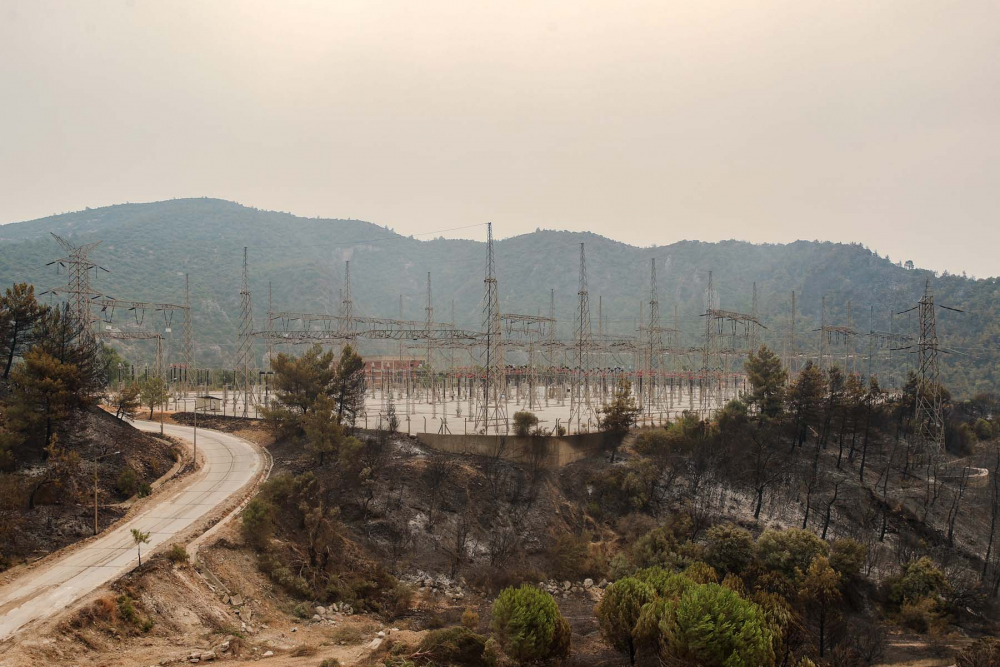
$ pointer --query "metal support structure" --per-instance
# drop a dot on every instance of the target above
(491, 413)
(246, 362)
(580, 405)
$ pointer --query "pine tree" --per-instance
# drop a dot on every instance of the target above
(45, 393)
(349, 386)
(620, 415)
(153, 392)
(820, 591)
(767, 381)
(19, 317)
(805, 399)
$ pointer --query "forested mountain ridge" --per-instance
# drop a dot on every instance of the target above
(149, 247)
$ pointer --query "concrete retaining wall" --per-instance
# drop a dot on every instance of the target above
(551, 452)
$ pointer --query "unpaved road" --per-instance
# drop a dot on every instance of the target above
(230, 464)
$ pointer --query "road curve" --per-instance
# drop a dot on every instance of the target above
(230, 463)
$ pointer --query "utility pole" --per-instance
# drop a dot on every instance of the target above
(96, 459)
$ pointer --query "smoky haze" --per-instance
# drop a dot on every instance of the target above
(648, 122)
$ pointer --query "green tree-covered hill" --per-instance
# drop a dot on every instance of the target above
(149, 247)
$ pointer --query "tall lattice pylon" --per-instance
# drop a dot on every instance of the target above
(710, 356)
(580, 405)
(77, 290)
(429, 322)
(491, 412)
(929, 409)
(655, 339)
(189, 373)
(347, 305)
(246, 363)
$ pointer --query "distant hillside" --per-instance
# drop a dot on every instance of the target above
(149, 247)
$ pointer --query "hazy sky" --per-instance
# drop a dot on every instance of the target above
(649, 122)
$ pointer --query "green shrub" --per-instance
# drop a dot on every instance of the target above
(524, 422)
(847, 557)
(529, 626)
(921, 615)
(330, 662)
(302, 611)
(569, 556)
(397, 600)
(128, 482)
(654, 442)
(127, 610)
(711, 626)
(700, 573)
(144, 489)
(453, 646)
(494, 656)
(177, 554)
(666, 584)
(258, 522)
(983, 429)
(618, 612)
(470, 619)
(729, 548)
(664, 546)
(789, 551)
(984, 653)
(284, 577)
(919, 579)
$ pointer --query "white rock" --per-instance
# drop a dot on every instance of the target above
(566, 585)
(588, 583)
(317, 617)
(295, 629)
(208, 655)
(268, 654)
(320, 610)
(380, 633)
(375, 643)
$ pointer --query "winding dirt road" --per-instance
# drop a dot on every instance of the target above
(230, 464)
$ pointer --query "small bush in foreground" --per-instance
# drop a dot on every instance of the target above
(177, 554)
(529, 626)
(618, 612)
(453, 646)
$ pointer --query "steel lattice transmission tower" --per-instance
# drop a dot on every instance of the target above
(347, 306)
(710, 356)
(188, 351)
(492, 409)
(246, 364)
(429, 322)
(77, 289)
(580, 405)
(929, 409)
(655, 338)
